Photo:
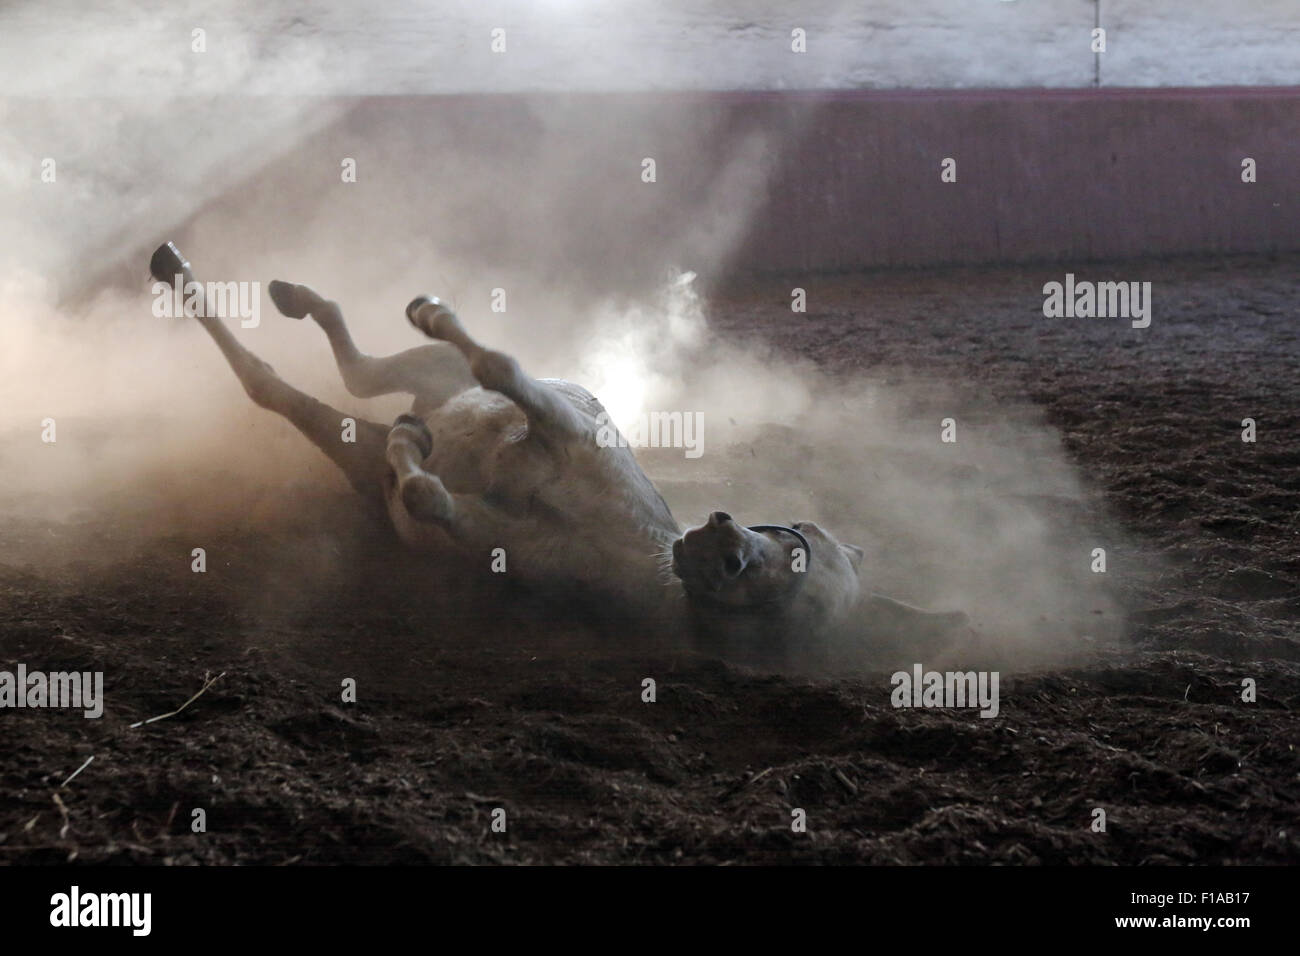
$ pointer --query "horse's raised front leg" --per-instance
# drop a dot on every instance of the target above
(431, 373)
(422, 495)
(551, 416)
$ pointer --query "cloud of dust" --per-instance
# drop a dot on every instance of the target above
(152, 428)
(996, 524)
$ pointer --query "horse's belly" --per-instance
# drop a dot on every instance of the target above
(478, 445)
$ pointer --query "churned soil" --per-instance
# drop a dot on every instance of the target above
(502, 701)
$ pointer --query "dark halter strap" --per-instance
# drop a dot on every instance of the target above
(807, 549)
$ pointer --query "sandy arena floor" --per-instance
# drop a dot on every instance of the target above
(541, 714)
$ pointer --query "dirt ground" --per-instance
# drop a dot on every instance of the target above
(535, 710)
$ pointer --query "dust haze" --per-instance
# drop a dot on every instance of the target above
(155, 434)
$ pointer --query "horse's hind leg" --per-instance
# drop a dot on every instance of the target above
(362, 460)
(431, 373)
(551, 415)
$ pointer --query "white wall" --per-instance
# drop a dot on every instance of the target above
(51, 47)
(149, 149)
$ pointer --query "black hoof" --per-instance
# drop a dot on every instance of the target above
(167, 263)
(423, 437)
(285, 297)
(423, 300)
(415, 306)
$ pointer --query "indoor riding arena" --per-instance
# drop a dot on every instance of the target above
(992, 309)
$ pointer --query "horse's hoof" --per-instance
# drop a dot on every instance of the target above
(415, 304)
(416, 429)
(167, 263)
(426, 320)
(286, 298)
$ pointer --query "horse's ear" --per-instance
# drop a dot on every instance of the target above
(854, 554)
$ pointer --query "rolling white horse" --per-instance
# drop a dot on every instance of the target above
(489, 458)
